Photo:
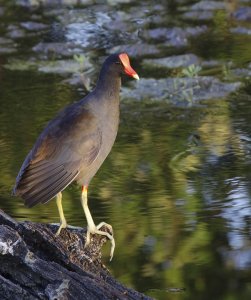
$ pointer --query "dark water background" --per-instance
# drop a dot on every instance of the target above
(176, 186)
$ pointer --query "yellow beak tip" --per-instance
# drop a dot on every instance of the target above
(136, 76)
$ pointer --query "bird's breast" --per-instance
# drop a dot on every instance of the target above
(108, 124)
(109, 128)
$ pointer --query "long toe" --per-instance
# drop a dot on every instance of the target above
(62, 225)
(88, 238)
(97, 230)
(111, 238)
(100, 225)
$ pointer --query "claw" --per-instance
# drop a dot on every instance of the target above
(96, 230)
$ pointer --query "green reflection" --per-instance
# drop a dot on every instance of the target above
(167, 199)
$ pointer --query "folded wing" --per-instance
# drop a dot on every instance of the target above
(69, 143)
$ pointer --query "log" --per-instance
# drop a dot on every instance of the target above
(35, 264)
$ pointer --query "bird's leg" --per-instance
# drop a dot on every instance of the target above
(63, 223)
(91, 227)
(90, 223)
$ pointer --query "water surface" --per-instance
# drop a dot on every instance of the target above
(176, 186)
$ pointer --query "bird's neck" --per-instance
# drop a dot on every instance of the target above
(108, 85)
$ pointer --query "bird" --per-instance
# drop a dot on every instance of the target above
(73, 146)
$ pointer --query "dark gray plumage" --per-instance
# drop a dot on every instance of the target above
(75, 143)
(67, 147)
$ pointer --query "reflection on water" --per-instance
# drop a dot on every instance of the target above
(176, 187)
(180, 210)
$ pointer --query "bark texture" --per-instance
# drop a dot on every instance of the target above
(34, 264)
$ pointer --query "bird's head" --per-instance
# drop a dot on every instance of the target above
(120, 63)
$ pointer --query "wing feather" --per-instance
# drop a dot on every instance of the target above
(70, 143)
(51, 191)
(33, 187)
(40, 175)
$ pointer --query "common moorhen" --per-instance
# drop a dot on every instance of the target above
(74, 145)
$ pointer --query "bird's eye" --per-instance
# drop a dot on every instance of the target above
(118, 62)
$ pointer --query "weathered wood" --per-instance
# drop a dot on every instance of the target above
(34, 264)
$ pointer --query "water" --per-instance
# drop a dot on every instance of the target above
(176, 186)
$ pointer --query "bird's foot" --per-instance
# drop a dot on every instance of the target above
(96, 230)
(62, 225)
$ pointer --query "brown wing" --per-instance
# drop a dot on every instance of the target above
(69, 142)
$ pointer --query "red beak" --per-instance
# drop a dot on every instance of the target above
(127, 67)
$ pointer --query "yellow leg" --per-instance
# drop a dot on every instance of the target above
(91, 227)
(63, 223)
